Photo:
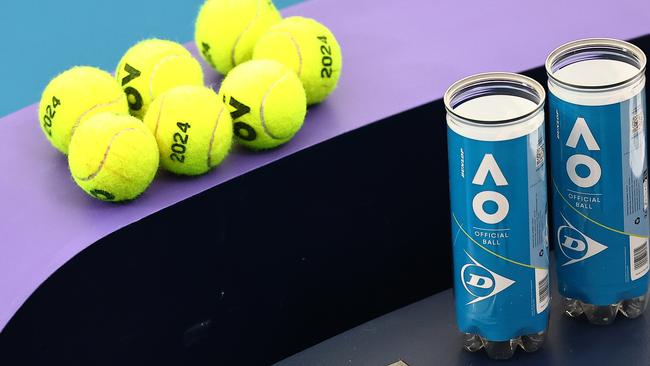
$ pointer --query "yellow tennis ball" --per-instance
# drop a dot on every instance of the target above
(309, 49)
(113, 157)
(152, 67)
(227, 30)
(74, 96)
(266, 101)
(193, 129)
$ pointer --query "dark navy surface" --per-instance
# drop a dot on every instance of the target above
(425, 334)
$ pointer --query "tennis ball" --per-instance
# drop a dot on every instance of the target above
(309, 49)
(152, 67)
(267, 103)
(113, 157)
(74, 96)
(193, 129)
(227, 30)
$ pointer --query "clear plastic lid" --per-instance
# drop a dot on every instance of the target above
(596, 64)
(494, 98)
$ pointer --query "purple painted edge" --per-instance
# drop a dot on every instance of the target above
(396, 57)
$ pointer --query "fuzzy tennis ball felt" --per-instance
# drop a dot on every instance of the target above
(309, 49)
(152, 67)
(193, 129)
(267, 103)
(227, 30)
(74, 96)
(113, 157)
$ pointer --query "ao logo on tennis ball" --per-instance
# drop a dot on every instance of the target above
(575, 245)
(489, 166)
(581, 130)
(480, 282)
(241, 129)
(133, 95)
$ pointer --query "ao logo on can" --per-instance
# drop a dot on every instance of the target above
(575, 245)
(581, 131)
(487, 167)
(480, 282)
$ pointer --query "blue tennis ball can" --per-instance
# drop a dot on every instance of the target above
(599, 177)
(497, 183)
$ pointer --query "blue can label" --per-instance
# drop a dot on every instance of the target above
(499, 232)
(600, 199)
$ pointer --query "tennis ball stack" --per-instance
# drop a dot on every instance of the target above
(156, 111)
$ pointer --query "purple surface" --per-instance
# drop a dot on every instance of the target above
(396, 57)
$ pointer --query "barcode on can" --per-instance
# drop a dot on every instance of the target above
(542, 287)
(539, 156)
(645, 192)
(638, 257)
(636, 122)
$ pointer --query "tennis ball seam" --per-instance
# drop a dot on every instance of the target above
(214, 131)
(241, 35)
(155, 68)
(298, 50)
(160, 109)
(108, 149)
(266, 94)
(89, 110)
